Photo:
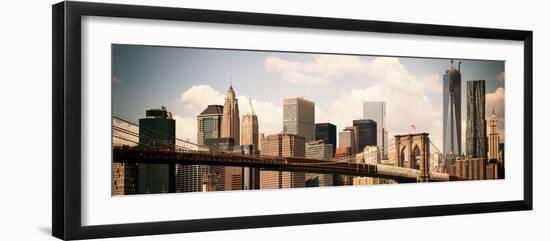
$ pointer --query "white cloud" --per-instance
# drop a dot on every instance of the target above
(326, 68)
(186, 128)
(495, 101)
(198, 97)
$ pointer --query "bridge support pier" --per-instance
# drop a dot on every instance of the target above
(411, 142)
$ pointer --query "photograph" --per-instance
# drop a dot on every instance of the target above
(188, 119)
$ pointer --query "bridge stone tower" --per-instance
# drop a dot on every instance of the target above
(408, 148)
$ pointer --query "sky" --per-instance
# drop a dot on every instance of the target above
(186, 80)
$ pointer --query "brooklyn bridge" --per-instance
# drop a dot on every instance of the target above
(411, 157)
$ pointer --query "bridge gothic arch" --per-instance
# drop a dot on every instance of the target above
(416, 155)
(403, 157)
(411, 149)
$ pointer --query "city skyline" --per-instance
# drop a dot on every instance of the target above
(340, 105)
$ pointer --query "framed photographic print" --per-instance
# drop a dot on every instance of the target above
(169, 120)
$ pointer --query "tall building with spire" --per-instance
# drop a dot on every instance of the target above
(494, 139)
(230, 117)
(476, 125)
(452, 124)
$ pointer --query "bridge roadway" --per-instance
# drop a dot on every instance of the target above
(334, 166)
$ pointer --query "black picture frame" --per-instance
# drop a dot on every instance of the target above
(66, 127)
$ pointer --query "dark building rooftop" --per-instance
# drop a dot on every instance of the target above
(213, 110)
(158, 113)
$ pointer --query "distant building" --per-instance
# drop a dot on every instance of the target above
(261, 140)
(299, 118)
(327, 133)
(376, 111)
(344, 151)
(372, 155)
(157, 131)
(250, 132)
(476, 134)
(230, 178)
(492, 171)
(209, 123)
(494, 139)
(250, 175)
(124, 176)
(192, 178)
(233, 178)
(230, 117)
(474, 169)
(452, 124)
(202, 178)
(362, 181)
(198, 178)
(346, 138)
(321, 151)
(224, 144)
(282, 145)
(365, 134)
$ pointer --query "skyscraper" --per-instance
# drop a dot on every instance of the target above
(157, 131)
(322, 151)
(231, 129)
(261, 141)
(327, 133)
(494, 139)
(250, 132)
(476, 125)
(192, 178)
(376, 111)
(225, 177)
(250, 145)
(346, 138)
(319, 150)
(365, 135)
(452, 118)
(230, 118)
(282, 145)
(299, 117)
(209, 123)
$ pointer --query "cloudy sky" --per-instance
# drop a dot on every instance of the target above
(186, 80)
